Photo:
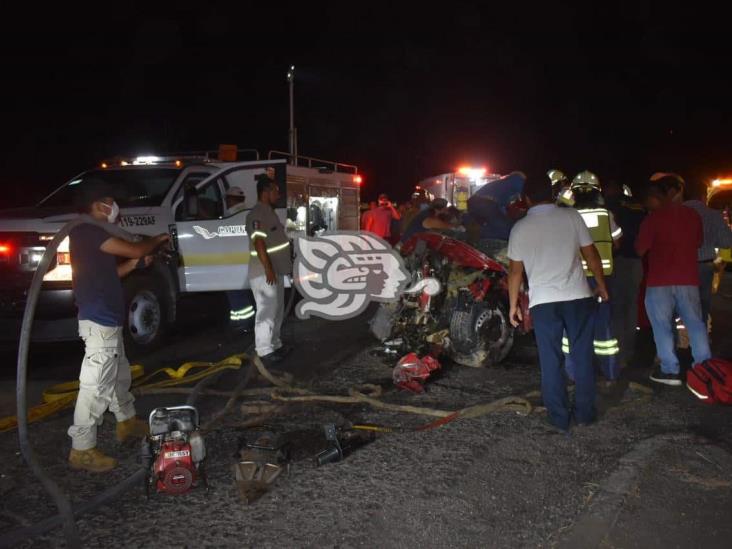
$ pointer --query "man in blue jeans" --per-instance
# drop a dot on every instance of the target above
(549, 244)
(671, 236)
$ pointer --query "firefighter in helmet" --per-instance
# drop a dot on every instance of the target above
(606, 234)
(560, 188)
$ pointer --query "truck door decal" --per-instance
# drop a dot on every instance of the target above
(222, 232)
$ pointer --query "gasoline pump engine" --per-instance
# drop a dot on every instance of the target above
(174, 452)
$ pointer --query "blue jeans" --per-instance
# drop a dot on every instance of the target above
(661, 302)
(551, 320)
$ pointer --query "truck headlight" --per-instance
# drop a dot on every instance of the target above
(62, 271)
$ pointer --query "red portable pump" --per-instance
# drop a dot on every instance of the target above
(174, 452)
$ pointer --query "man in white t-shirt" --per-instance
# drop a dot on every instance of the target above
(549, 244)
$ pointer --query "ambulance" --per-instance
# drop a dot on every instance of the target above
(455, 187)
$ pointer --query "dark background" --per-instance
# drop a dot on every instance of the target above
(403, 90)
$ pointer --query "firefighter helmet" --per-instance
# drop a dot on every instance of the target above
(557, 177)
(585, 181)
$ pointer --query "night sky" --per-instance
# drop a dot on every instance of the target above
(402, 90)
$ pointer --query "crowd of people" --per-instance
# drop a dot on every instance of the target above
(589, 256)
(598, 262)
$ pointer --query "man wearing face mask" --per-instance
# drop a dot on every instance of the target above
(104, 382)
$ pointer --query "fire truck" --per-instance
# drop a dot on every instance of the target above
(184, 195)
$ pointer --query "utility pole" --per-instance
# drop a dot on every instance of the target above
(293, 129)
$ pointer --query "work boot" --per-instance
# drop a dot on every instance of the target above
(91, 460)
(131, 428)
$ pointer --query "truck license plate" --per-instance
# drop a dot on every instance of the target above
(178, 454)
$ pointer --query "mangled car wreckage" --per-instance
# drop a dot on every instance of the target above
(466, 318)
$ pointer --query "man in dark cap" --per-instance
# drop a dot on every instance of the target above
(104, 382)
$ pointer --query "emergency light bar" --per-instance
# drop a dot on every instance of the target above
(722, 182)
(472, 173)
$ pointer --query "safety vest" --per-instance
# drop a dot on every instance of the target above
(598, 222)
(461, 200)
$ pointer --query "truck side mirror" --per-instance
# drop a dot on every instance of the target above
(190, 201)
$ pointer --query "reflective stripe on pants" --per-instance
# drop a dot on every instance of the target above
(605, 345)
(104, 383)
(270, 300)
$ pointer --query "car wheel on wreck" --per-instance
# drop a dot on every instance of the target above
(480, 336)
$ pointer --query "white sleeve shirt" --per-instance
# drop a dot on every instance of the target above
(548, 241)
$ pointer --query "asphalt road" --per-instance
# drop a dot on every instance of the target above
(653, 472)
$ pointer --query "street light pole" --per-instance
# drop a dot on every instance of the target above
(293, 130)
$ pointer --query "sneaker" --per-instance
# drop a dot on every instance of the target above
(91, 460)
(667, 379)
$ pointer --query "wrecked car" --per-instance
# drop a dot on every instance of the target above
(466, 318)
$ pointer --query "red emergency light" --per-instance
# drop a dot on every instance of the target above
(357, 179)
(5, 250)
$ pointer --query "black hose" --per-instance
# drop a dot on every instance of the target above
(63, 503)
(61, 500)
(21, 534)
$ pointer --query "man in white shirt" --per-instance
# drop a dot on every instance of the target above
(549, 244)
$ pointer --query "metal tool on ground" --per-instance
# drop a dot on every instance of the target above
(261, 461)
(174, 452)
(341, 443)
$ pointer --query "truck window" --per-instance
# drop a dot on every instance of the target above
(138, 187)
(192, 178)
(297, 207)
(323, 208)
(210, 201)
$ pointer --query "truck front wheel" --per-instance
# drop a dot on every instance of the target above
(147, 314)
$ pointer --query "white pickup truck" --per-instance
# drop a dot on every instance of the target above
(185, 196)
